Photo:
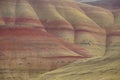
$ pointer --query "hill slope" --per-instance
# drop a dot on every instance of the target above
(37, 36)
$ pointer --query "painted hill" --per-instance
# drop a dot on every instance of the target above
(99, 15)
(103, 68)
(75, 28)
(109, 4)
(37, 36)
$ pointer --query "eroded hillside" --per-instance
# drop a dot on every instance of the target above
(37, 36)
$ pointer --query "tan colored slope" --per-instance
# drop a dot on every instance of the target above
(103, 17)
(103, 69)
(114, 35)
(116, 13)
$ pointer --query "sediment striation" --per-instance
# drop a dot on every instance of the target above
(37, 36)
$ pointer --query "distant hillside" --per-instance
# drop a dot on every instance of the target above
(114, 4)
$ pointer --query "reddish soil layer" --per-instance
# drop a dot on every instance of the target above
(26, 41)
(38, 34)
(18, 31)
(22, 20)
